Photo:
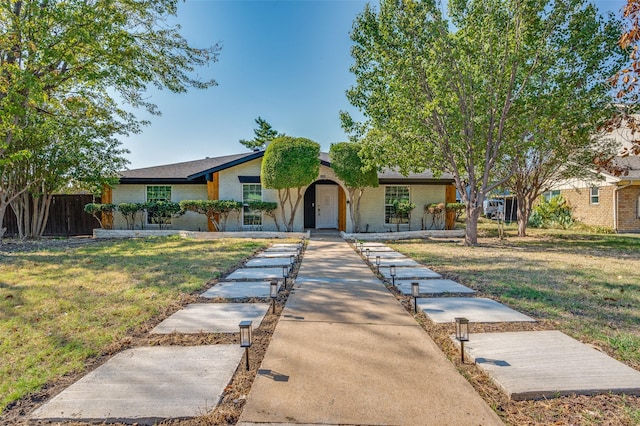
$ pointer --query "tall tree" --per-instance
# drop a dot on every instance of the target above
(290, 163)
(349, 167)
(264, 134)
(55, 55)
(453, 96)
(627, 83)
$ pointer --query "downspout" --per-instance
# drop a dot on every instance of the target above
(615, 204)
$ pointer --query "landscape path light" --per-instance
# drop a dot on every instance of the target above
(415, 292)
(360, 246)
(292, 260)
(246, 338)
(368, 254)
(274, 295)
(378, 263)
(285, 274)
(462, 334)
(392, 272)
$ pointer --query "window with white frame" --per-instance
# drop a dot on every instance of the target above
(157, 193)
(548, 195)
(251, 192)
(393, 195)
(595, 195)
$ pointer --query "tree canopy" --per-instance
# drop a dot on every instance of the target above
(66, 71)
(458, 96)
(348, 166)
(290, 163)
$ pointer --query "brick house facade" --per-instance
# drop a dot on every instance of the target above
(611, 201)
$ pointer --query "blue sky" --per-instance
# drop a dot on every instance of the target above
(286, 61)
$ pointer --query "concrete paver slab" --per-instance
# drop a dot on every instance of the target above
(396, 261)
(285, 245)
(545, 364)
(240, 289)
(262, 262)
(373, 244)
(406, 273)
(212, 318)
(293, 250)
(148, 383)
(375, 249)
(273, 254)
(387, 255)
(475, 309)
(434, 286)
(255, 274)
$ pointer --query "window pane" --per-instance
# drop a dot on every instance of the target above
(157, 193)
(392, 194)
(251, 192)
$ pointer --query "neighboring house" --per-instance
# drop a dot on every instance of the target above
(237, 177)
(611, 201)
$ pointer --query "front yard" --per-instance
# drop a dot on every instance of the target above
(586, 285)
(61, 307)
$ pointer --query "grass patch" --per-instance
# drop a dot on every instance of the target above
(61, 306)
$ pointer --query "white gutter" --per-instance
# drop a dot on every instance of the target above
(615, 204)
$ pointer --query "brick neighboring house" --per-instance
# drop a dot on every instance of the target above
(611, 201)
(237, 177)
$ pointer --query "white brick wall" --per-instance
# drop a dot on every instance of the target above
(138, 193)
(230, 188)
(372, 207)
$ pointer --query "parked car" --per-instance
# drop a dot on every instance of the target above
(493, 208)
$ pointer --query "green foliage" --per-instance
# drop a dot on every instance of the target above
(348, 166)
(463, 96)
(161, 212)
(267, 207)
(555, 213)
(213, 208)
(96, 210)
(65, 70)
(458, 208)
(131, 212)
(289, 163)
(264, 134)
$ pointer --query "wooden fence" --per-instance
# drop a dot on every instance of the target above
(66, 217)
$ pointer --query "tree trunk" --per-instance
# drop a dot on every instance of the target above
(524, 211)
(471, 232)
(294, 209)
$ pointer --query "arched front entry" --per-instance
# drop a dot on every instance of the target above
(325, 206)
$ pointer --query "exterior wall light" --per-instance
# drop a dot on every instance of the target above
(462, 334)
(246, 338)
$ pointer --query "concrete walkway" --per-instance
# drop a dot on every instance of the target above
(346, 352)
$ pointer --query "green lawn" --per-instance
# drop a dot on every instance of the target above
(586, 285)
(59, 307)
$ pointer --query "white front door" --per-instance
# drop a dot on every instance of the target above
(327, 206)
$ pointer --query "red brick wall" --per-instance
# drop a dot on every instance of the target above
(600, 214)
(628, 220)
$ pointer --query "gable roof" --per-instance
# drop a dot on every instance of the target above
(197, 171)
